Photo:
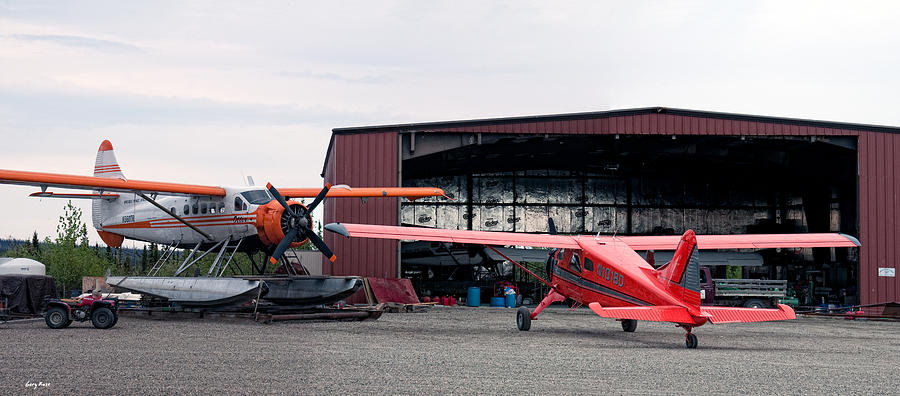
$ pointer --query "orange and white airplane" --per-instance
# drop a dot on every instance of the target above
(197, 216)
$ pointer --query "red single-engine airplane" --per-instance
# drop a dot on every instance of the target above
(607, 274)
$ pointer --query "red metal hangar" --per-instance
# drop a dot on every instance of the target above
(648, 171)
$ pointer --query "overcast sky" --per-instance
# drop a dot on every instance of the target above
(206, 92)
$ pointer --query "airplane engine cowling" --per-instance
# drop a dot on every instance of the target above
(272, 223)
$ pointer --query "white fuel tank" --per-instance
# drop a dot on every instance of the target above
(21, 266)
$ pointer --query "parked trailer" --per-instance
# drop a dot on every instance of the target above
(750, 293)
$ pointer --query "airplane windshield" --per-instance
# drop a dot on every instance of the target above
(257, 197)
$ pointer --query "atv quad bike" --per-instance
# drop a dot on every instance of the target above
(103, 314)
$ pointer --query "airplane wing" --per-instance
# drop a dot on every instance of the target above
(747, 241)
(44, 180)
(658, 313)
(745, 315)
(410, 193)
(457, 236)
(77, 182)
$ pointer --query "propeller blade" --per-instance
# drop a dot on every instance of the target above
(337, 228)
(320, 244)
(551, 226)
(319, 198)
(283, 246)
(278, 197)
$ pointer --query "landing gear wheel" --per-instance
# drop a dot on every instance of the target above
(523, 319)
(57, 318)
(629, 325)
(754, 303)
(690, 341)
(103, 318)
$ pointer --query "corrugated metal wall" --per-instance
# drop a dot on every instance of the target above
(362, 160)
(355, 160)
(879, 225)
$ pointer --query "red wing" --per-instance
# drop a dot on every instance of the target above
(659, 313)
(408, 192)
(457, 236)
(748, 241)
(745, 315)
(42, 180)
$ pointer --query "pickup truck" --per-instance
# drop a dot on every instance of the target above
(750, 293)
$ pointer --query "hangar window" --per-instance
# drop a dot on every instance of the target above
(588, 265)
(187, 209)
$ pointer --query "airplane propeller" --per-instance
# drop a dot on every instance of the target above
(296, 224)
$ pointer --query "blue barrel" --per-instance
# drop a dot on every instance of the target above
(474, 297)
(510, 301)
(497, 301)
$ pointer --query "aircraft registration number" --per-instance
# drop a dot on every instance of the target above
(612, 276)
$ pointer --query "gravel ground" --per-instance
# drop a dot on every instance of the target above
(451, 350)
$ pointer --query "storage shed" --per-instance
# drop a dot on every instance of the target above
(636, 172)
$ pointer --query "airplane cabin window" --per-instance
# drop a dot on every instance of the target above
(221, 207)
(702, 277)
(187, 209)
(574, 264)
(237, 203)
(212, 208)
(173, 210)
(588, 265)
(203, 208)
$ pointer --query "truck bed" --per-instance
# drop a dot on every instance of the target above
(750, 288)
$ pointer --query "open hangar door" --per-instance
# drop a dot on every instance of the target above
(635, 185)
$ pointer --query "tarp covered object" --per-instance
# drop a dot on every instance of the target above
(27, 294)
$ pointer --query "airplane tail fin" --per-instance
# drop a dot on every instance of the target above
(682, 274)
(106, 166)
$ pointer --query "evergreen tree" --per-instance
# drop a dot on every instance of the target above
(35, 244)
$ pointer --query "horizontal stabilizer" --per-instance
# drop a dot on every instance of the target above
(48, 194)
(746, 315)
(661, 313)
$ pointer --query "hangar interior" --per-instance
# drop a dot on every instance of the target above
(634, 185)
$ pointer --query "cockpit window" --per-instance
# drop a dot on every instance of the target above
(574, 263)
(588, 265)
(257, 197)
(239, 204)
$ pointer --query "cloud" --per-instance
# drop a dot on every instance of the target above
(53, 109)
(108, 46)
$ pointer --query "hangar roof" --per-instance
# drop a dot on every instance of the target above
(616, 113)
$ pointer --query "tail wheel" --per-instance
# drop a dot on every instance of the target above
(690, 341)
(103, 318)
(523, 319)
(629, 325)
(57, 318)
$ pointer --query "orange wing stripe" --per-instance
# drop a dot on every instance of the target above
(408, 192)
(91, 183)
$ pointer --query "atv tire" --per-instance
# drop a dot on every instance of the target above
(57, 318)
(103, 318)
